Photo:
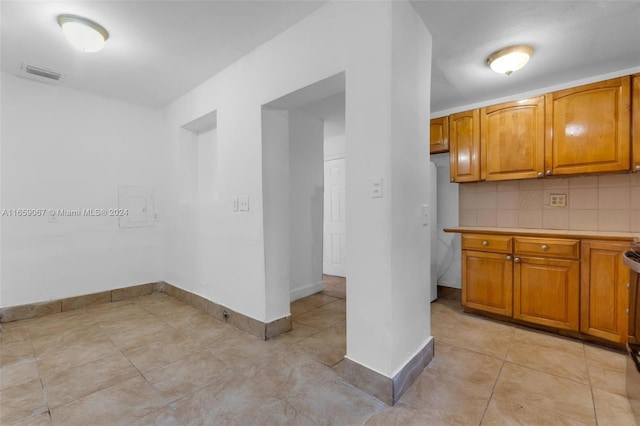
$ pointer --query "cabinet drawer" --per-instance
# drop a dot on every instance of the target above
(547, 247)
(491, 243)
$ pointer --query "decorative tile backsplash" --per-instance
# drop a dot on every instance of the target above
(593, 203)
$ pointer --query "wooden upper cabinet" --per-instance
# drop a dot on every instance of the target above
(635, 111)
(588, 128)
(439, 135)
(512, 140)
(464, 146)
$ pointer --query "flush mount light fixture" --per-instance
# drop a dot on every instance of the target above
(83, 33)
(510, 59)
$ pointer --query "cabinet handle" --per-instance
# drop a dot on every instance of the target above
(508, 257)
(540, 174)
(549, 172)
(517, 260)
(544, 247)
(485, 243)
(452, 179)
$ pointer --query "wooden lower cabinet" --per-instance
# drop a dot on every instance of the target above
(487, 282)
(546, 292)
(578, 285)
(635, 125)
(604, 290)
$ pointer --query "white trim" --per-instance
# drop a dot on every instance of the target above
(306, 290)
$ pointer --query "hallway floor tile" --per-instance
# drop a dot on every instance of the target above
(156, 360)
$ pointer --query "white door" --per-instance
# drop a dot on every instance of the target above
(334, 244)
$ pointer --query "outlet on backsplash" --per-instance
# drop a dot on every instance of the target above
(558, 200)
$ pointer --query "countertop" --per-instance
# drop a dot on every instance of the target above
(600, 235)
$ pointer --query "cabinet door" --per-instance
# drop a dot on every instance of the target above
(588, 128)
(546, 291)
(487, 282)
(604, 295)
(512, 140)
(464, 146)
(635, 113)
(439, 135)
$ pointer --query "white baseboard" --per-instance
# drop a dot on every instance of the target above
(306, 290)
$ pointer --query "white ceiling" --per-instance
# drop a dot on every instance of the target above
(159, 50)
(571, 40)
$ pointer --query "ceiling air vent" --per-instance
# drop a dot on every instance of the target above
(40, 74)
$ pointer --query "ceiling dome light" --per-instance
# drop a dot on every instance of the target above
(510, 59)
(82, 33)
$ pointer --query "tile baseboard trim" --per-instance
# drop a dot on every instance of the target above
(34, 310)
(307, 290)
(252, 326)
(388, 390)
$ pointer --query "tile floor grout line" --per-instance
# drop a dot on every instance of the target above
(44, 392)
(493, 388)
(547, 372)
(593, 399)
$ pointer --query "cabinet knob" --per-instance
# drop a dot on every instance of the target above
(540, 174)
(544, 247)
(517, 260)
(508, 257)
(628, 285)
(452, 179)
(549, 172)
(485, 243)
(626, 311)
(637, 167)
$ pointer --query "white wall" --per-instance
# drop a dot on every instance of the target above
(410, 242)
(306, 181)
(275, 189)
(334, 147)
(65, 149)
(385, 327)
(292, 191)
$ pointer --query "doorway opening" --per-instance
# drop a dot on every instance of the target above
(304, 164)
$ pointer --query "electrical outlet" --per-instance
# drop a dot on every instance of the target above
(558, 200)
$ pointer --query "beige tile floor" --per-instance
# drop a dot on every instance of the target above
(156, 360)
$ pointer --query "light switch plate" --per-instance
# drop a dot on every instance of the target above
(244, 203)
(376, 187)
(425, 214)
